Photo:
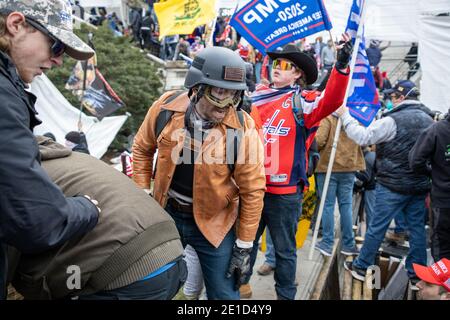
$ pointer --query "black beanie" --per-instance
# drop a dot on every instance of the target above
(74, 137)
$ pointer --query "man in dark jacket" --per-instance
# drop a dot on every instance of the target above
(136, 23)
(134, 252)
(34, 214)
(398, 187)
(147, 29)
(365, 180)
(431, 156)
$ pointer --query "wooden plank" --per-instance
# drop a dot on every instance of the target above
(367, 286)
(356, 289)
(13, 294)
(359, 240)
(355, 230)
(384, 269)
(347, 283)
(327, 284)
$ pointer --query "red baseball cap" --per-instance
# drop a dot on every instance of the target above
(243, 52)
(438, 273)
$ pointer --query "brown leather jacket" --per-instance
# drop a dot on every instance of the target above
(216, 192)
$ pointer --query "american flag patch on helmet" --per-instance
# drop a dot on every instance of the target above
(234, 74)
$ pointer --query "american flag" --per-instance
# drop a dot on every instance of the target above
(363, 99)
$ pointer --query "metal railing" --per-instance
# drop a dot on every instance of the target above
(403, 69)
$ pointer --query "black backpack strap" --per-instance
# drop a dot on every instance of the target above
(297, 108)
(234, 138)
(162, 120)
(165, 115)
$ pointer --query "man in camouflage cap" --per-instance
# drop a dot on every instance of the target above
(34, 214)
(56, 17)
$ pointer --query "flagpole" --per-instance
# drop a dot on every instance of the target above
(334, 44)
(210, 43)
(338, 131)
(85, 64)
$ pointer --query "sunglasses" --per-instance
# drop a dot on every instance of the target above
(57, 47)
(283, 65)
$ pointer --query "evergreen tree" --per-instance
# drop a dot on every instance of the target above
(132, 76)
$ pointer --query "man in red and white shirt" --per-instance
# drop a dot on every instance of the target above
(289, 117)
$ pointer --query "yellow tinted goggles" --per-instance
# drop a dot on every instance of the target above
(283, 65)
(223, 101)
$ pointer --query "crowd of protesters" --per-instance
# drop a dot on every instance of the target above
(218, 211)
(143, 30)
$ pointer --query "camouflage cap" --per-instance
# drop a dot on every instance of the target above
(56, 17)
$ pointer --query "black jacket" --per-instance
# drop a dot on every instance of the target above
(392, 165)
(367, 177)
(431, 155)
(83, 145)
(34, 214)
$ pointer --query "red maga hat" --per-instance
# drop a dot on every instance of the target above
(438, 273)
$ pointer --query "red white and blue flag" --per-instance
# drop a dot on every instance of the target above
(363, 99)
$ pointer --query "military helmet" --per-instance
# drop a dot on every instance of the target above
(219, 67)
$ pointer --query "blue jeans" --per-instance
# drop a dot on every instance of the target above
(280, 214)
(270, 250)
(340, 187)
(400, 223)
(161, 287)
(214, 261)
(369, 205)
(389, 204)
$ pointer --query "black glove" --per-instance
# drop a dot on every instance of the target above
(240, 265)
(344, 55)
(314, 158)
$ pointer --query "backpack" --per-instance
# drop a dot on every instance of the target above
(233, 139)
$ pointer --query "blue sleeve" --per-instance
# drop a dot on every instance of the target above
(34, 213)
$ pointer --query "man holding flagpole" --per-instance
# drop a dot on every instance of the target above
(361, 94)
(290, 117)
(399, 188)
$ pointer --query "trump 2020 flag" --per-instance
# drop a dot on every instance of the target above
(363, 99)
(182, 16)
(269, 24)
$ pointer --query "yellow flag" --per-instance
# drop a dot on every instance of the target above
(182, 16)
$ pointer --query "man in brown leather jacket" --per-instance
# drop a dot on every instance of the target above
(209, 173)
